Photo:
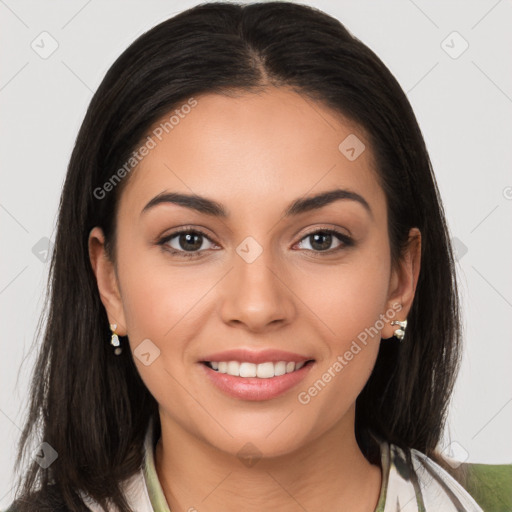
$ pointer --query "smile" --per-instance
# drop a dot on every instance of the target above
(255, 382)
(265, 370)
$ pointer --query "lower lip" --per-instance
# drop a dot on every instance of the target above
(254, 388)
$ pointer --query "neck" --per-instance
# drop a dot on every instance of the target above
(330, 472)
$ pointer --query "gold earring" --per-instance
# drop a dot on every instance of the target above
(400, 333)
(114, 341)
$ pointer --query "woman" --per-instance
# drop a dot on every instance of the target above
(253, 301)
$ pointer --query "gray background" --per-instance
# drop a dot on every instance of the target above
(463, 102)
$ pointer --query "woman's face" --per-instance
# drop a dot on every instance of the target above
(258, 278)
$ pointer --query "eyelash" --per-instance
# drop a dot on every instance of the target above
(346, 241)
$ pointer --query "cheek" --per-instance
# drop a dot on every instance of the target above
(348, 301)
(162, 304)
(348, 297)
(351, 344)
(158, 297)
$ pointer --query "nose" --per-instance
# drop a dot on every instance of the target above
(256, 294)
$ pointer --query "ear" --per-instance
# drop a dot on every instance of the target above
(106, 278)
(403, 281)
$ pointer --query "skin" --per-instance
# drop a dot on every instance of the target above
(255, 154)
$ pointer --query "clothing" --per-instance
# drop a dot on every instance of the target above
(421, 487)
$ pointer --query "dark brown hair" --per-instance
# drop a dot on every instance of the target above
(91, 406)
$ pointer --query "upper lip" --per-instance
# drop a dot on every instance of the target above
(256, 357)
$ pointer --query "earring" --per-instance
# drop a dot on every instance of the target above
(400, 332)
(115, 340)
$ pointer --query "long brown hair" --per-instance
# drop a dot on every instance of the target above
(91, 406)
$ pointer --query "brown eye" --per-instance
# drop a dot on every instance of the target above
(189, 241)
(322, 241)
(186, 242)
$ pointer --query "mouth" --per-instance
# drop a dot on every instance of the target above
(262, 381)
(265, 370)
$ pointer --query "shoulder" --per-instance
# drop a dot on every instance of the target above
(49, 500)
(440, 486)
(416, 482)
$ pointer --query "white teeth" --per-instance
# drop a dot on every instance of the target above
(262, 370)
(281, 368)
(245, 369)
(265, 370)
(233, 368)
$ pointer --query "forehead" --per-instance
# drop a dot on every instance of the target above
(254, 149)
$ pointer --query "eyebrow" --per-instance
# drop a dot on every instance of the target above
(300, 205)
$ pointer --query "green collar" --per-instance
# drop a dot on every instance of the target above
(155, 492)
